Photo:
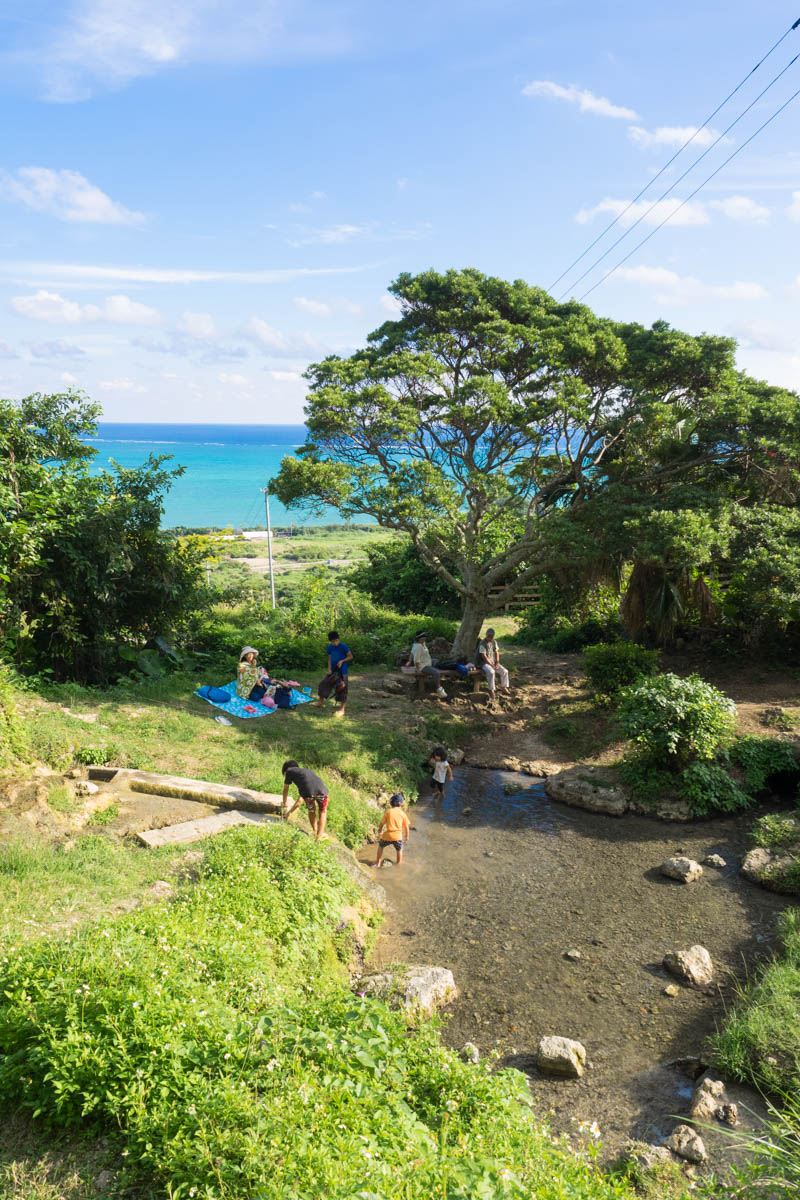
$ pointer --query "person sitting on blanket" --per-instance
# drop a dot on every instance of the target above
(251, 679)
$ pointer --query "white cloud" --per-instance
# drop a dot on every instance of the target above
(370, 231)
(690, 214)
(285, 376)
(57, 349)
(318, 195)
(758, 334)
(55, 309)
(271, 339)
(70, 380)
(683, 289)
(197, 325)
(794, 208)
(224, 377)
(327, 308)
(120, 385)
(401, 184)
(79, 273)
(108, 43)
(585, 100)
(391, 305)
(67, 195)
(742, 208)
(673, 136)
(7, 350)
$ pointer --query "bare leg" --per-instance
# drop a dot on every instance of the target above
(339, 712)
(380, 855)
(399, 857)
(322, 816)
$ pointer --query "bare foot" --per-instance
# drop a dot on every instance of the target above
(339, 712)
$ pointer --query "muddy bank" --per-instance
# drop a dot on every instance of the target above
(500, 895)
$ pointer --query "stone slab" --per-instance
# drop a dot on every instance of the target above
(203, 827)
(154, 784)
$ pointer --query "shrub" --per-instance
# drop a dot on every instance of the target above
(671, 721)
(617, 665)
(396, 576)
(570, 616)
(761, 758)
(710, 788)
(13, 742)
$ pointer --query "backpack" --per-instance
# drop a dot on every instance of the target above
(283, 697)
(215, 694)
(329, 684)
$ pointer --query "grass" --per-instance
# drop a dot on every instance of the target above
(580, 728)
(44, 884)
(759, 1042)
(780, 832)
(37, 1165)
(220, 1039)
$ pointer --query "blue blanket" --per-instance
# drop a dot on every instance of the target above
(236, 706)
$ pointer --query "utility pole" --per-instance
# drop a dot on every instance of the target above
(269, 547)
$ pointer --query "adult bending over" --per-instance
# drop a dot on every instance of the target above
(311, 790)
(489, 659)
(423, 665)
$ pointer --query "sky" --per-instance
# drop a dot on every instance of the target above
(198, 199)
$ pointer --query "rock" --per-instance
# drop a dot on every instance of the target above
(709, 1094)
(455, 756)
(651, 1156)
(771, 869)
(728, 1114)
(417, 990)
(84, 788)
(693, 966)
(669, 810)
(686, 870)
(440, 648)
(466, 812)
(513, 789)
(392, 684)
(160, 889)
(561, 1058)
(670, 990)
(687, 1143)
(576, 786)
(715, 860)
(573, 955)
(470, 1052)
(385, 863)
(542, 770)
(691, 1065)
(73, 773)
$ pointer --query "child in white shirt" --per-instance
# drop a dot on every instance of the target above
(441, 772)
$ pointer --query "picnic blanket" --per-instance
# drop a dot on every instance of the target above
(236, 706)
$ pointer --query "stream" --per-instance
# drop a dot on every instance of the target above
(500, 894)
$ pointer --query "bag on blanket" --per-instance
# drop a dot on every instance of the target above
(215, 694)
(283, 697)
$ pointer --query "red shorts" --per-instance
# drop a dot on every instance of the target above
(314, 803)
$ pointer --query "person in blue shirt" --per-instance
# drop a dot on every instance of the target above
(339, 655)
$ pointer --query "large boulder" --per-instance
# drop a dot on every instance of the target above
(440, 648)
(693, 966)
(773, 869)
(679, 867)
(709, 1095)
(561, 1057)
(583, 787)
(419, 990)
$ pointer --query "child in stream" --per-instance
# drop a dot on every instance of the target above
(441, 771)
(394, 829)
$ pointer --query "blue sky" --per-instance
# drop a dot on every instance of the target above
(194, 206)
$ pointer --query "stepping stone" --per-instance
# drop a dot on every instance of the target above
(203, 827)
(154, 784)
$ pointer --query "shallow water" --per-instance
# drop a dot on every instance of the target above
(501, 894)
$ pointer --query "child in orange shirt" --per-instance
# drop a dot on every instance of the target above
(394, 829)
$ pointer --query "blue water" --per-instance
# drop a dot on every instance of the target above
(225, 467)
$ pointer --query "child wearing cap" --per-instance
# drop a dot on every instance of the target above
(394, 829)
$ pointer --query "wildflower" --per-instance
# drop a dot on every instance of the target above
(226, 1056)
(191, 1110)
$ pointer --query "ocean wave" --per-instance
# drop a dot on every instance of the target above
(133, 442)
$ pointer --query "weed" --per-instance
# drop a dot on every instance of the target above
(104, 816)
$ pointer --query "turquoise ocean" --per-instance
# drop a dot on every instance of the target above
(226, 465)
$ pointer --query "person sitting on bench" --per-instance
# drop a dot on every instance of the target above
(421, 658)
(489, 661)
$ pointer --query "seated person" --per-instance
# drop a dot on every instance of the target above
(489, 660)
(421, 658)
(251, 679)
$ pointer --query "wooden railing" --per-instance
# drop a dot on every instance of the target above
(524, 598)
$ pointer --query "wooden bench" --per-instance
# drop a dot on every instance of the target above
(475, 677)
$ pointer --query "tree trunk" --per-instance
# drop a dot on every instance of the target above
(470, 628)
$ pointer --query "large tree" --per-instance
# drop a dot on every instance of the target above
(505, 433)
(84, 568)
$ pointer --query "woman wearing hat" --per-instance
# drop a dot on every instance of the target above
(421, 658)
(251, 679)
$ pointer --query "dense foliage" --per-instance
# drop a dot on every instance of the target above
(84, 567)
(672, 721)
(571, 613)
(396, 576)
(14, 744)
(514, 436)
(220, 1038)
(612, 667)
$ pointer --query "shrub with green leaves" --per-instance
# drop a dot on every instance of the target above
(616, 665)
(219, 1036)
(762, 758)
(13, 742)
(672, 721)
(709, 788)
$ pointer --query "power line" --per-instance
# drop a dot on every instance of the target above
(691, 195)
(680, 178)
(678, 152)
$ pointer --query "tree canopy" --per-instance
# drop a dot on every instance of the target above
(512, 436)
(84, 567)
